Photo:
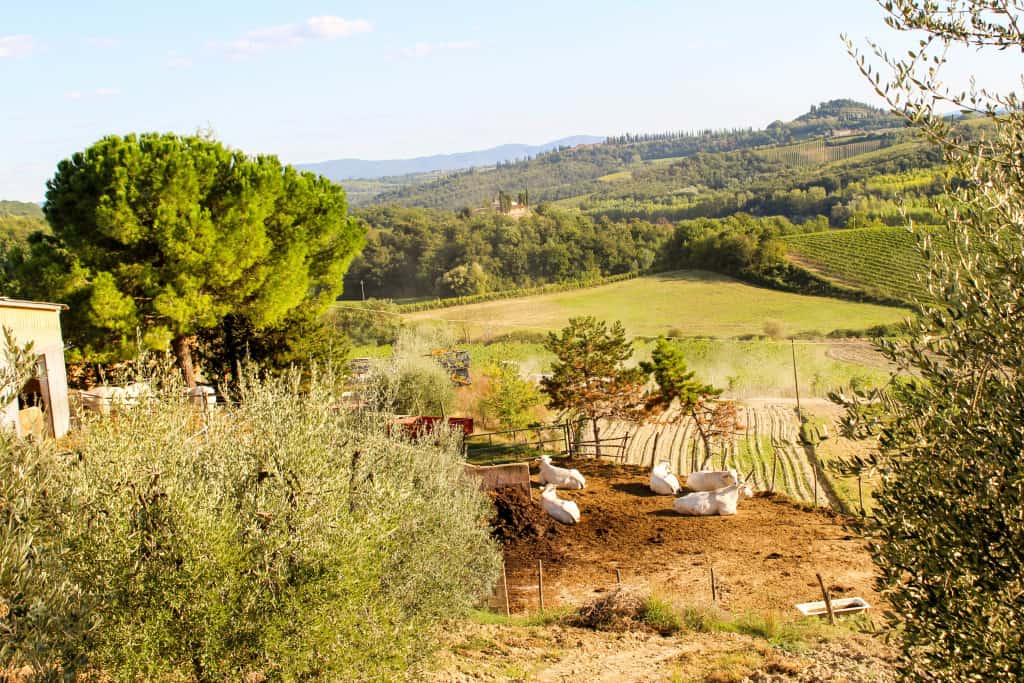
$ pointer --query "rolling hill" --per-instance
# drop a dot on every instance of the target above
(567, 173)
(344, 169)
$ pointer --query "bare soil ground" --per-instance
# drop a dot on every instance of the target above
(765, 558)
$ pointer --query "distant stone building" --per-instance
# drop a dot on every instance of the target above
(45, 394)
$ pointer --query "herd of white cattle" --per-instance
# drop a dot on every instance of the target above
(711, 492)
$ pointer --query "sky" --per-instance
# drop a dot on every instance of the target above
(311, 81)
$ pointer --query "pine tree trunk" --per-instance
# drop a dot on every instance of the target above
(597, 439)
(182, 347)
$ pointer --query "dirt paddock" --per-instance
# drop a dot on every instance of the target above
(765, 558)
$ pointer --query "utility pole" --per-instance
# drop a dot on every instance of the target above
(796, 383)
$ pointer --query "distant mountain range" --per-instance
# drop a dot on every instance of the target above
(344, 169)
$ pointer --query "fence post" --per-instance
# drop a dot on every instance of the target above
(860, 493)
(828, 601)
(504, 585)
(714, 587)
(540, 583)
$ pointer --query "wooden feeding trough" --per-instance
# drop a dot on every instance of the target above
(818, 608)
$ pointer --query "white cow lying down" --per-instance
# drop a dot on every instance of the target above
(707, 503)
(711, 480)
(559, 476)
(663, 482)
(564, 511)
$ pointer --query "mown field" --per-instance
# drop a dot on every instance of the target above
(879, 260)
(682, 304)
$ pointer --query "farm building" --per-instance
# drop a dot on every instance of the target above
(44, 396)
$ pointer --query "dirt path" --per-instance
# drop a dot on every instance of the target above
(559, 654)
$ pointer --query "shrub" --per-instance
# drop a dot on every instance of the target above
(44, 617)
(509, 397)
(411, 381)
(284, 537)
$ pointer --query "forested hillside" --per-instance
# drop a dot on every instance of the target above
(575, 171)
(18, 220)
(693, 207)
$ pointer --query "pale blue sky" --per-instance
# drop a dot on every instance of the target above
(315, 80)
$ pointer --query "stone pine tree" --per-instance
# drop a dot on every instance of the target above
(589, 375)
(948, 527)
(167, 235)
(677, 384)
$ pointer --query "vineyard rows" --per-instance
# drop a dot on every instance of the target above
(879, 260)
(767, 431)
(818, 152)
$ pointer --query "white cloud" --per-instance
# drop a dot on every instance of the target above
(421, 50)
(15, 46)
(291, 35)
(73, 94)
(106, 92)
(335, 27)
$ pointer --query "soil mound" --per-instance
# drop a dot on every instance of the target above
(620, 610)
(517, 517)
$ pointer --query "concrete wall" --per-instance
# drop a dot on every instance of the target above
(42, 328)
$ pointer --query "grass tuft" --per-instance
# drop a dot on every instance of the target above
(661, 616)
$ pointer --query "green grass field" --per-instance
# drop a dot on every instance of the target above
(687, 303)
(879, 260)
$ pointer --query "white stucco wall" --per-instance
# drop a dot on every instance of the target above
(40, 324)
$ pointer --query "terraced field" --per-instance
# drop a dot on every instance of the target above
(770, 430)
(880, 260)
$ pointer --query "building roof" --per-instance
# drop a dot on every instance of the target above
(6, 302)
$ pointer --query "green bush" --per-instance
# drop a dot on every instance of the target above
(44, 617)
(284, 537)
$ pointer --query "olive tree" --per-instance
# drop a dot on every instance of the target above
(948, 531)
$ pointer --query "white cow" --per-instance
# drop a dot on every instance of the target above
(564, 511)
(559, 476)
(706, 503)
(711, 480)
(663, 482)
